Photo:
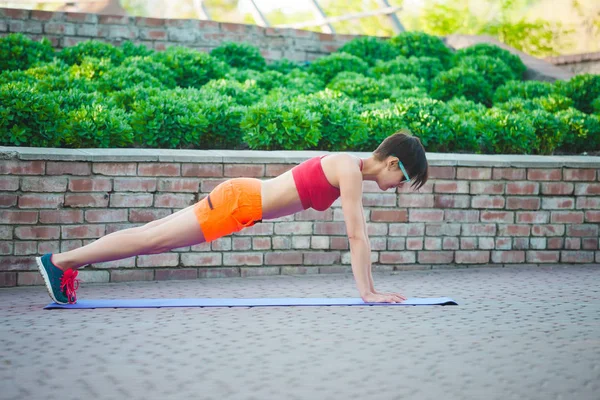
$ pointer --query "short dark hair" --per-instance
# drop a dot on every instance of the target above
(408, 149)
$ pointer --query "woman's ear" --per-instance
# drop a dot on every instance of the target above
(392, 163)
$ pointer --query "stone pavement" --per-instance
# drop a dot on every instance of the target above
(518, 333)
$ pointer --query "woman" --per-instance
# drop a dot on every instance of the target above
(241, 202)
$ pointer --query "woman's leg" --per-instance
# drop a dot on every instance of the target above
(178, 230)
(151, 224)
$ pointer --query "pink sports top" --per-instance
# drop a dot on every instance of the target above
(313, 187)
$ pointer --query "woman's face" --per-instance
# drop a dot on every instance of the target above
(392, 176)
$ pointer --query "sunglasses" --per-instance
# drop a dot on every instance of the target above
(406, 178)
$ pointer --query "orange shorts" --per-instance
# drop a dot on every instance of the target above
(232, 206)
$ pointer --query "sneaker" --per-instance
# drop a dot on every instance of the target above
(61, 285)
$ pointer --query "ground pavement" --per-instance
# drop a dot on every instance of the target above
(518, 333)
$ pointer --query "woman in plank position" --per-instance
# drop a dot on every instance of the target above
(241, 202)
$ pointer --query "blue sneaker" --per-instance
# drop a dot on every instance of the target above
(61, 285)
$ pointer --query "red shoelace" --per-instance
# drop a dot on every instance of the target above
(69, 284)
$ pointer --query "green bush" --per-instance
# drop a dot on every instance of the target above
(72, 99)
(329, 66)
(281, 125)
(168, 121)
(359, 87)
(582, 131)
(130, 49)
(553, 103)
(240, 55)
(192, 68)
(458, 82)
(265, 80)
(382, 119)
(420, 44)
(402, 94)
(429, 120)
(549, 130)
(506, 133)
(425, 68)
(28, 117)
(460, 105)
(125, 99)
(370, 49)
(484, 49)
(18, 52)
(583, 89)
(158, 70)
(91, 48)
(401, 81)
(240, 93)
(466, 135)
(493, 70)
(96, 126)
(596, 105)
(283, 65)
(303, 82)
(525, 90)
(120, 78)
(518, 105)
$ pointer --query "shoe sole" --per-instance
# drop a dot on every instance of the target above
(40, 265)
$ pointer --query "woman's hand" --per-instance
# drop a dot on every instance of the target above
(383, 298)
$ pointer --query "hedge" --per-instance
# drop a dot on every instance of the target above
(472, 100)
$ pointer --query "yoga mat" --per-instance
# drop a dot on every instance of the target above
(264, 302)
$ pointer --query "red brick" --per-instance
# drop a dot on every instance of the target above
(557, 203)
(582, 230)
(48, 247)
(202, 170)
(314, 215)
(478, 230)
(548, 230)
(590, 243)
(508, 257)
(242, 259)
(590, 216)
(461, 216)
(135, 185)
(207, 186)
(503, 243)
(433, 243)
(260, 229)
(523, 203)
(259, 271)
(230, 272)
(131, 200)
(175, 274)
(6, 232)
(557, 188)
(573, 243)
(415, 200)
(199, 259)
(427, 188)
(68, 168)
(443, 229)
(472, 257)
(442, 173)
(375, 229)
(6, 248)
(410, 229)
(158, 260)
(14, 13)
(41, 200)
(8, 279)
(543, 256)
(45, 184)
(173, 200)
(497, 216)
(450, 243)
(588, 202)
(95, 216)
(404, 257)
(510, 174)
(339, 243)
(555, 243)
(451, 201)
(533, 217)
(544, 174)
(162, 169)
(523, 188)
(321, 258)
(330, 228)
(283, 258)
(244, 170)
(61, 216)
(451, 187)
(590, 189)
(416, 215)
(241, 243)
(147, 215)
(293, 228)
(30, 279)
(379, 200)
(577, 256)
(179, 185)
(514, 230)
(131, 275)
(82, 231)
(86, 200)
(473, 173)
(18, 263)
(9, 183)
(153, 34)
(567, 217)
(521, 243)
(90, 185)
(487, 188)
(277, 169)
(14, 167)
(23, 248)
(261, 243)
(435, 257)
(37, 232)
(579, 174)
(414, 243)
(115, 169)
(8, 200)
(487, 202)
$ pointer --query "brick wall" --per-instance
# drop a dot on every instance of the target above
(475, 211)
(65, 29)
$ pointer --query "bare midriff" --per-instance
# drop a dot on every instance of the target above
(280, 197)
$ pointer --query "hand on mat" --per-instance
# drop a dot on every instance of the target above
(383, 298)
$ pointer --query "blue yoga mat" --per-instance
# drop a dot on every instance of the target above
(265, 302)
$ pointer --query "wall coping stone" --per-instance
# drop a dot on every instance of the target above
(279, 157)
